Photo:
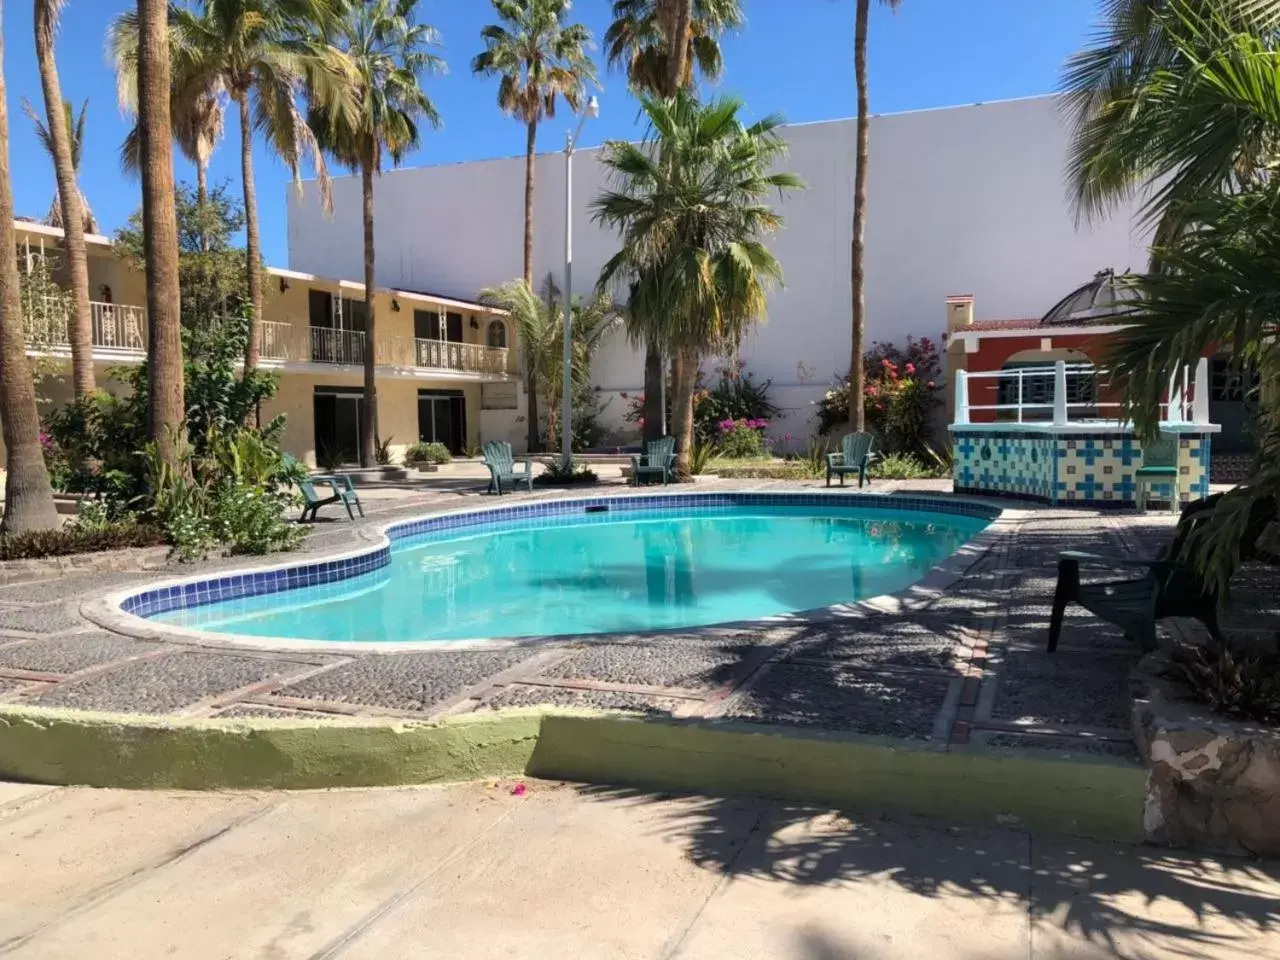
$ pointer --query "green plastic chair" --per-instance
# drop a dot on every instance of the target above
(855, 456)
(659, 459)
(502, 467)
(342, 492)
(1159, 468)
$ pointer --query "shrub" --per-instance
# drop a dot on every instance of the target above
(742, 439)
(235, 493)
(1239, 685)
(556, 476)
(701, 455)
(76, 539)
(735, 396)
(900, 466)
(423, 452)
(382, 452)
(901, 395)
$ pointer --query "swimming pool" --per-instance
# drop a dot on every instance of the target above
(607, 565)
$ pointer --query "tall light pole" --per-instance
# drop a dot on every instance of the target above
(566, 413)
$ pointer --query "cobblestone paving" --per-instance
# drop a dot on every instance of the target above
(962, 670)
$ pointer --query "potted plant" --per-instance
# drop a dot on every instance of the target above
(427, 457)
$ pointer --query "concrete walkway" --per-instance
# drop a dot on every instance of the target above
(564, 872)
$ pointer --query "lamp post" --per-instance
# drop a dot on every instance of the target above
(566, 413)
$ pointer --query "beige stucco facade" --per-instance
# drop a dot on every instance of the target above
(313, 339)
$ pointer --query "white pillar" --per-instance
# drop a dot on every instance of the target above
(962, 397)
(1060, 393)
(1200, 399)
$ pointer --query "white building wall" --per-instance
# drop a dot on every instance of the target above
(961, 200)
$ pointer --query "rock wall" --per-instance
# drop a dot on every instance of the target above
(1213, 783)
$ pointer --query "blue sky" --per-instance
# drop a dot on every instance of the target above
(794, 57)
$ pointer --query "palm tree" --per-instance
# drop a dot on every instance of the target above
(198, 117)
(160, 232)
(539, 59)
(28, 498)
(858, 245)
(689, 203)
(1127, 131)
(260, 54)
(539, 323)
(58, 141)
(387, 54)
(638, 40)
(75, 125)
(1193, 110)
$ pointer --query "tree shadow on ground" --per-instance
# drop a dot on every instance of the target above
(1101, 892)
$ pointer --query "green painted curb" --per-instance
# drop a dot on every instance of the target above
(1095, 797)
(104, 750)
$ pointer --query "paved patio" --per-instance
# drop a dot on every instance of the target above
(558, 872)
(962, 671)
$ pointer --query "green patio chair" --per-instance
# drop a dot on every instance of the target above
(340, 490)
(658, 460)
(1171, 587)
(855, 456)
(1159, 468)
(502, 467)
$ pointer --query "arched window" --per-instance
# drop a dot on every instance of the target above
(497, 334)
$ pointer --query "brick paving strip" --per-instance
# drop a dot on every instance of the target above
(965, 669)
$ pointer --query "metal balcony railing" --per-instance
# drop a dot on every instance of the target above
(116, 326)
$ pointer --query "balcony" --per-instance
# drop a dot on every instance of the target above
(117, 328)
(294, 343)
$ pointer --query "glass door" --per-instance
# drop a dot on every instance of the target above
(337, 426)
(442, 418)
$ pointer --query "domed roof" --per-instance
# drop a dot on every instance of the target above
(1106, 296)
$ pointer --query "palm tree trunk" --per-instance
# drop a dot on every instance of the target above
(80, 325)
(531, 385)
(369, 414)
(676, 21)
(253, 253)
(202, 183)
(857, 268)
(678, 44)
(160, 232)
(653, 412)
(28, 498)
(202, 195)
(684, 366)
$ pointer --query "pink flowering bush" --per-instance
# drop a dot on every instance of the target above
(900, 396)
(742, 439)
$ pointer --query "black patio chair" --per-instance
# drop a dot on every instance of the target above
(1170, 587)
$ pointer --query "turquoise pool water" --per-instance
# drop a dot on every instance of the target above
(627, 570)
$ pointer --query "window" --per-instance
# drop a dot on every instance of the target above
(497, 334)
(1228, 383)
(1082, 387)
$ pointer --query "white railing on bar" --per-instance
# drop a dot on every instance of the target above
(1188, 397)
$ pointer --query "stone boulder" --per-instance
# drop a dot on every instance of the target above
(1213, 783)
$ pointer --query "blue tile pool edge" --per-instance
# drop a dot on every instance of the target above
(130, 610)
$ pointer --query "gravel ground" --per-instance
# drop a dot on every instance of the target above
(407, 681)
(882, 705)
(165, 684)
(73, 652)
(876, 673)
